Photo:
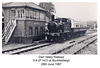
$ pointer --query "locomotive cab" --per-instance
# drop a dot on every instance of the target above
(64, 24)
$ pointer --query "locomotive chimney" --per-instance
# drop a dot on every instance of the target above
(52, 17)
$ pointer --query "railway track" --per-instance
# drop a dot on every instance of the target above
(90, 49)
(19, 49)
(25, 48)
(57, 48)
(77, 47)
(28, 48)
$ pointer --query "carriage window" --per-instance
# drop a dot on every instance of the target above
(36, 30)
(77, 25)
(30, 30)
(41, 30)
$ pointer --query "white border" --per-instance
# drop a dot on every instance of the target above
(25, 61)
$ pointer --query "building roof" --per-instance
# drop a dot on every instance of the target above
(19, 4)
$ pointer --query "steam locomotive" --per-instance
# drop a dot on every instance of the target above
(64, 28)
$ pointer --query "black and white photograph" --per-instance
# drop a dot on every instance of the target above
(50, 34)
(54, 28)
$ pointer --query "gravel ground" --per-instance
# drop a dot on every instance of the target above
(91, 49)
(77, 47)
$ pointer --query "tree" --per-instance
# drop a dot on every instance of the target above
(49, 6)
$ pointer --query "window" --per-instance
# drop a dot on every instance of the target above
(18, 14)
(30, 30)
(13, 12)
(37, 15)
(36, 30)
(31, 14)
(42, 16)
(41, 30)
(34, 12)
(77, 25)
(22, 13)
(28, 14)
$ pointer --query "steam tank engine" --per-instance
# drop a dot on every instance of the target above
(58, 28)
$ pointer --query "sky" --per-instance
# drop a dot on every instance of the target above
(82, 11)
(79, 11)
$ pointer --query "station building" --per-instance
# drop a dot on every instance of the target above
(24, 22)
